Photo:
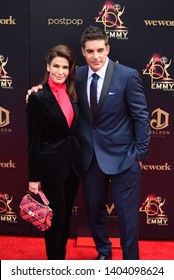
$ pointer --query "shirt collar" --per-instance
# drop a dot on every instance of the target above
(55, 86)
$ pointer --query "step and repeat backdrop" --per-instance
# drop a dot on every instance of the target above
(141, 36)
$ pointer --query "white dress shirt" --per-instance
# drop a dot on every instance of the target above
(101, 74)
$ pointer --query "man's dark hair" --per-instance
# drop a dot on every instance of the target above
(93, 33)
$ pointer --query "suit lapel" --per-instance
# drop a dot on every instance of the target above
(54, 108)
(83, 93)
(83, 100)
(76, 114)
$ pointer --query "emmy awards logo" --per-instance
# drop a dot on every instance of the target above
(3, 62)
(158, 69)
(5, 80)
(111, 17)
(6, 211)
(152, 206)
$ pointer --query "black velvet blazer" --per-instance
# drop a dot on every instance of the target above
(53, 148)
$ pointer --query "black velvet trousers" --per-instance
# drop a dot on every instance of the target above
(61, 196)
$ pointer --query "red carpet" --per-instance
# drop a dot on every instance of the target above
(33, 248)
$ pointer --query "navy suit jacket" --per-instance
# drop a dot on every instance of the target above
(53, 147)
(119, 133)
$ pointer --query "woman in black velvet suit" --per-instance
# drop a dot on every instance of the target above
(53, 150)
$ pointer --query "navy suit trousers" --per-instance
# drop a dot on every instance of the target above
(126, 195)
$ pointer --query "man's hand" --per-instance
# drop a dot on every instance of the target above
(34, 187)
(33, 89)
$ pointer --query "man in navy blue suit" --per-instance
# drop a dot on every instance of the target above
(114, 141)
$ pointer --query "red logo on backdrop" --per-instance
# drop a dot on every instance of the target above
(158, 68)
(153, 207)
(5, 79)
(111, 16)
(6, 212)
